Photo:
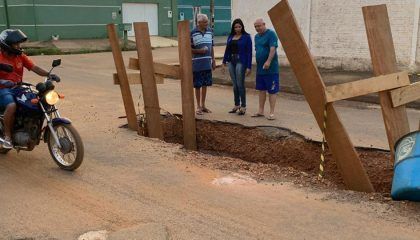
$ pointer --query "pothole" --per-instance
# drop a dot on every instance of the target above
(274, 146)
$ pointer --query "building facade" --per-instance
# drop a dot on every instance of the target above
(73, 19)
(335, 30)
(42, 19)
(222, 13)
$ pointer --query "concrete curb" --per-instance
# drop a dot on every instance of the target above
(289, 84)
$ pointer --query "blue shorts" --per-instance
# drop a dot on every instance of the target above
(269, 83)
(6, 97)
(203, 79)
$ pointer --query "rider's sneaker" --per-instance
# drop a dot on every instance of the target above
(7, 144)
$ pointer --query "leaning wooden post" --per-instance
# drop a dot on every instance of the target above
(185, 59)
(382, 52)
(303, 65)
(123, 79)
(147, 73)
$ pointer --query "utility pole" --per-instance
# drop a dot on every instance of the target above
(6, 10)
(212, 14)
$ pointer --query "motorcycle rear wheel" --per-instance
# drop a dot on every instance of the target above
(70, 156)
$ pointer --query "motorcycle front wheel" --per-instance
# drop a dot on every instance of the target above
(2, 150)
(70, 156)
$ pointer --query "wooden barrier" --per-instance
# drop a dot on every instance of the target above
(123, 79)
(313, 87)
(147, 73)
(188, 110)
(382, 52)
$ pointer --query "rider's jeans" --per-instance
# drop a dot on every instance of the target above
(6, 97)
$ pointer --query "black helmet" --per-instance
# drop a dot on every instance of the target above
(9, 37)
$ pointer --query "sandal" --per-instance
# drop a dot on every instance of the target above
(271, 117)
(255, 115)
(242, 111)
(206, 110)
(199, 112)
(234, 110)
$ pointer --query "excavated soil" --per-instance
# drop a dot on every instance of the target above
(273, 146)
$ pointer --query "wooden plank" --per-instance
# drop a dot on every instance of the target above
(167, 70)
(382, 52)
(308, 76)
(405, 95)
(133, 64)
(219, 63)
(134, 78)
(188, 110)
(160, 68)
(366, 86)
(122, 75)
(147, 73)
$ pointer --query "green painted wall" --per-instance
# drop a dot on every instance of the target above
(2, 15)
(40, 19)
(222, 13)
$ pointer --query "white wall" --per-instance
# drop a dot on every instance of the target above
(250, 10)
(335, 30)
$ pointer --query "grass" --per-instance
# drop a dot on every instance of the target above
(43, 51)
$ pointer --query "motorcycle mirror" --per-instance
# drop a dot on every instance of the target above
(56, 63)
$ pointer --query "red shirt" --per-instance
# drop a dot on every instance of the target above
(18, 62)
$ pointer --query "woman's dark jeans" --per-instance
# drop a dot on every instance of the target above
(237, 74)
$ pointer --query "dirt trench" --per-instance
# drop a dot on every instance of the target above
(277, 146)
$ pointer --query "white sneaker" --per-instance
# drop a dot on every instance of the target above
(6, 143)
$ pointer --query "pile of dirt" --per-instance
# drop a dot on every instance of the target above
(279, 147)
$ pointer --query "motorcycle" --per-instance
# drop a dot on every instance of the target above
(37, 119)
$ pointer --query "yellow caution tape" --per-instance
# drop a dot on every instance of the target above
(324, 129)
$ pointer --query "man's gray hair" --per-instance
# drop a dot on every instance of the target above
(202, 17)
(260, 20)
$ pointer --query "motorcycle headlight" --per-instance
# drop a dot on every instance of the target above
(52, 97)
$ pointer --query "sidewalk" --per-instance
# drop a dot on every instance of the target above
(167, 52)
(288, 81)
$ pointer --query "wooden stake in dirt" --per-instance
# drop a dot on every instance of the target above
(123, 79)
(185, 59)
(147, 73)
(313, 87)
(382, 51)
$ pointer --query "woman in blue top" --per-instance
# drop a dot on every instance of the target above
(238, 56)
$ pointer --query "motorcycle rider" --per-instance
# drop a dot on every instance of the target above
(12, 54)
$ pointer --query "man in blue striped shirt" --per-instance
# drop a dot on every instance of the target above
(203, 61)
